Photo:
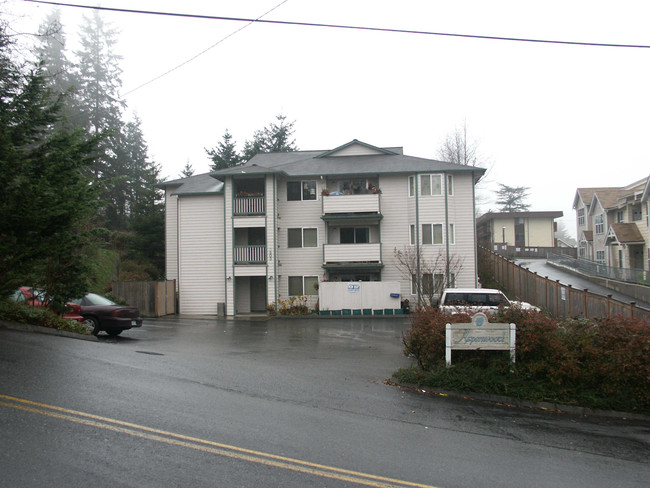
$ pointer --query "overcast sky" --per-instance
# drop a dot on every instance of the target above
(552, 117)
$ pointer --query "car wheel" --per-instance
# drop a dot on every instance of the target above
(93, 324)
(114, 332)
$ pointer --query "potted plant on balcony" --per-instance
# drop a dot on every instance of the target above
(325, 192)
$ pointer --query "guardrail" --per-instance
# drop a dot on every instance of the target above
(593, 268)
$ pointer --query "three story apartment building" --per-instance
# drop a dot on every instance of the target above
(613, 224)
(243, 238)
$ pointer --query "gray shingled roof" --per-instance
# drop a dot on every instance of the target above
(195, 185)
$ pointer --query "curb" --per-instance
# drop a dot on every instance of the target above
(4, 324)
(513, 402)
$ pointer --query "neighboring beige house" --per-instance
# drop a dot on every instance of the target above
(612, 225)
(518, 229)
(245, 237)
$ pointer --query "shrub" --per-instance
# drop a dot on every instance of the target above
(21, 313)
(296, 305)
(600, 363)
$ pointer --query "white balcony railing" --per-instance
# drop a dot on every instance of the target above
(248, 206)
(249, 254)
(352, 253)
(333, 204)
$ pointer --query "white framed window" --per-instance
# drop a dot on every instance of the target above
(600, 257)
(451, 234)
(432, 234)
(599, 224)
(581, 217)
(412, 240)
(411, 186)
(301, 190)
(303, 285)
(302, 237)
(450, 185)
(426, 282)
(431, 185)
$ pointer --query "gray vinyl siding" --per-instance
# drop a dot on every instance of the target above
(201, 254)
(171, 236)
(298, 261)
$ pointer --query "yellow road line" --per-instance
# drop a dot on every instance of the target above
(205, 445)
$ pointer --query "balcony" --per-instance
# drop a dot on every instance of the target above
(352, 253)
(249, 205)
(249, 254)
(345, 205)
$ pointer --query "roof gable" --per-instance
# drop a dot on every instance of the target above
(356, 148)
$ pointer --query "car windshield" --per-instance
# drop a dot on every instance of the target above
(93, 299)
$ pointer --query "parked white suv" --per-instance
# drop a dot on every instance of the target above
(472, 300)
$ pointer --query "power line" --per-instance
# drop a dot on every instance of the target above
(349, 27)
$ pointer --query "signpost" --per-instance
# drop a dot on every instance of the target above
(480, 335)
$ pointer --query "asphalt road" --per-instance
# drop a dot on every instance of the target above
(291, 403)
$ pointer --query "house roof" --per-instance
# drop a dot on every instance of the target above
(338, 162)
(587, 235)
(624, 233)
(512, 215)
(587, 194)
(195, 185)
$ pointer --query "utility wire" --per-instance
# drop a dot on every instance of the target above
(350, 27)
(202, 52)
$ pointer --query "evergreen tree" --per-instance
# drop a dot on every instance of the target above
(511, 198)
(99, 110)
(187, 171)
(276, 137)
(225, 154)
(51, 54)
(46, 202)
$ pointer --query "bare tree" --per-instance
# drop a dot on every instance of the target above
(458, 150)
(429, 277)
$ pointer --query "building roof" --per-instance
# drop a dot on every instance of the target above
(340, 161)
(587, 235)
(512, 215)
(203, 184)
(587, 194)
(624, 233)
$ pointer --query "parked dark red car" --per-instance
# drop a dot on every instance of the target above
(36, 298)
(100, 313)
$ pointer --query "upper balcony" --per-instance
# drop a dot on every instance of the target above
(249, 198)
(351, 198)
(352, 253)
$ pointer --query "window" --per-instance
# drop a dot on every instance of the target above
(600, 257)
(637, 213)
(411, 186)
(438, 282)
(581, 217)
(426, 283)
(451, 234)
(620, 258)
(302, 237)
(430, 185)
(301, 190)
(431, 233)
(619, 216)
(450, 184)
(303, 285)
(355, 235)
(600, 225)
(412, 236)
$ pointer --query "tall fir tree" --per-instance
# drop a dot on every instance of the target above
(225, 154)
(276, 137)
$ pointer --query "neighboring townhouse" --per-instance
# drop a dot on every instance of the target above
(518, 229)
(613, 227)
(243, 238)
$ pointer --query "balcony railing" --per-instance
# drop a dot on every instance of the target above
(337, 204)
(352, 253)
(249, 206)
(250, 254)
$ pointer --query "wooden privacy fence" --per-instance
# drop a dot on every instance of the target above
(558, 299)
(153, 298)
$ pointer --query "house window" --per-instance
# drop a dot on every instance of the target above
(426, 283)
(581, 217)
(450, 184)
(600, 225)
(619, 216)
(412, 241)
(620, 258)
(451, 234)
(600, 257)
(411, 186)
(302, 237)
(303, 285)
(355, 235)
(637, 214)
(301, 190)
(439, 282)
(430, 185)
(431, 233)
(582, 251)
